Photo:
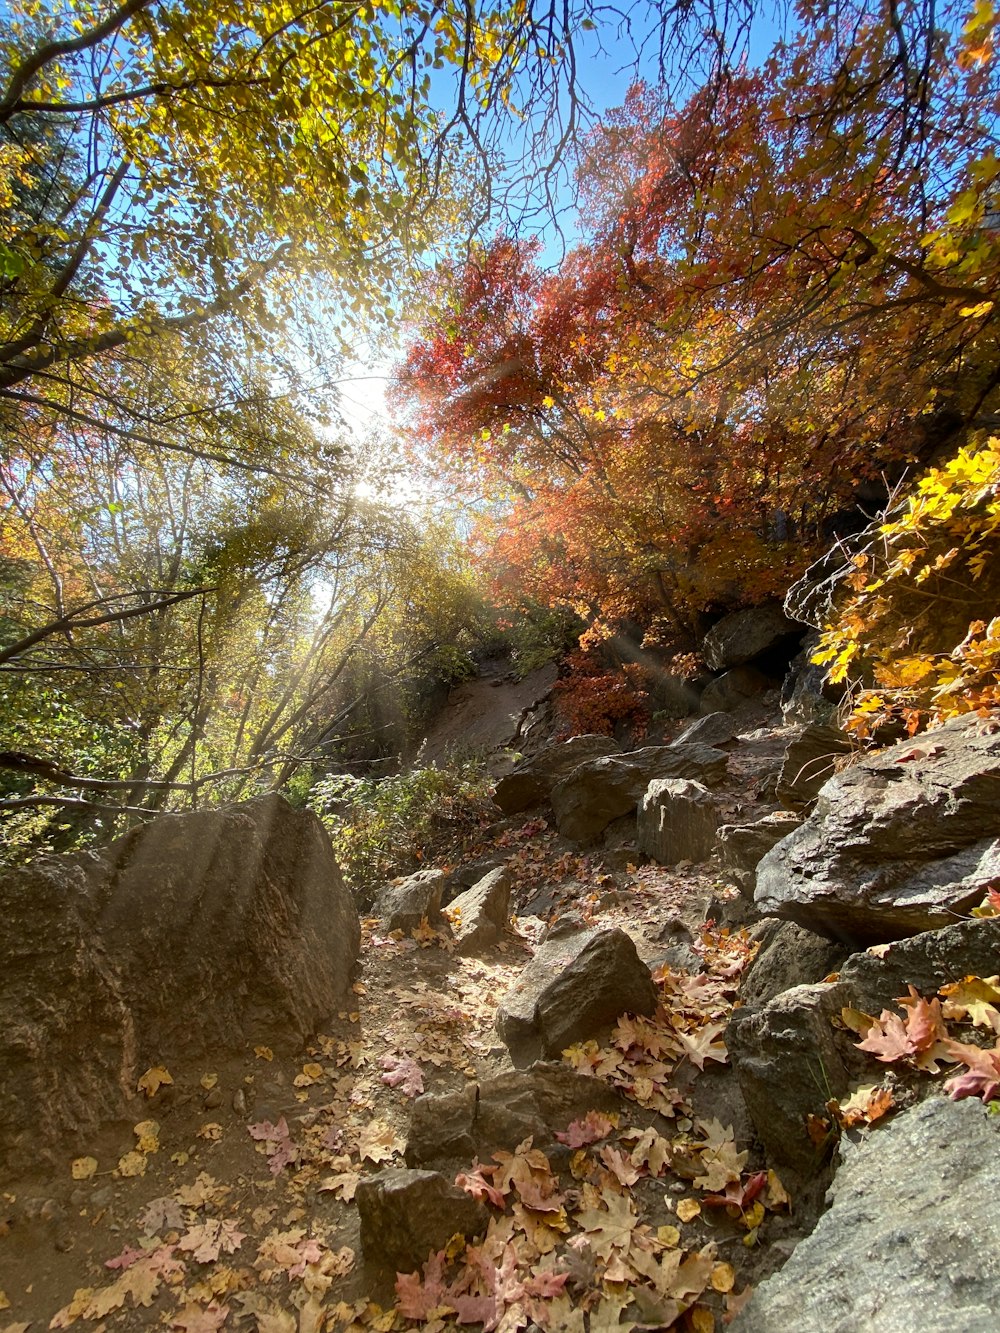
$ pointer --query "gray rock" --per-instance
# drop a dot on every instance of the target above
(533, 780)
(403, 906)
(601, 790)
(480, 915)
(501, 1112)
(465, 876)
(788, 1057)
(738, 685)
(810, 761)
(715, 729)
(911, 1239)
(896, 844)
(677, 821)
(198, 932)
(789, 956)
(743, 635)
(572, 990)
(806, 694)
(813, 598)
(407, 1215)
(741, 847)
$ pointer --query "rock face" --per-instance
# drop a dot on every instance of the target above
(734, 688)
(406, 1215)
(900, 843)
(570, 991)
(789, 956)
(741, 847)
(744, 635)
(533, 780)
(715, 729)
(806, 694)
(533, 1102)
(480, 915)
(911, 1240)
(195, 932)
(788, 1056)
(810, 761)
(403, 906)
(600, 790)
(677, 821)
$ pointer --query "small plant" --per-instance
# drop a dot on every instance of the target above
(384, 827)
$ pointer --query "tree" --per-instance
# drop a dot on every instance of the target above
(787, 299)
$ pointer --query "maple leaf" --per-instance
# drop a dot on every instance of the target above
(887, 1038)
(609, 1228)
(738, 1193)
(204, 1190)
(620, 1165)
(379, 1142)
(281, 1150)
(199, 1319)
(160, 1213)
(703, 1044)
(973, 997)
(474, 1182)
(983, 1077)
(343, 1185)
(404, 1073)
(591, 1128)
(126, 1259)
(206, 1241)
(651, 1151)
(864, 1106)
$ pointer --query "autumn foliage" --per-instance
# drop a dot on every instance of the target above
(784, 306)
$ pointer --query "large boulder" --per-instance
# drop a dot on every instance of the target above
(741, 847)
(573, 989)
(407, 1215)
(788, 1055)
(417, 898)
(911, 1239)
(789, 956)
(734, 688)
(194, 933)
(714, 729)
(677, 821)
(600, 790)
(806, 692)
(743, 635)
(904, 841)
(480, 915)
(501, 1112)
(533, 780)
(810, 760)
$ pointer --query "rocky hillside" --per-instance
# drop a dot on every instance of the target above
(601, 1074)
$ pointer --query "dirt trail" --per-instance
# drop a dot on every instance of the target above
(242, 1216)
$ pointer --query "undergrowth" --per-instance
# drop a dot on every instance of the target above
(383, 827)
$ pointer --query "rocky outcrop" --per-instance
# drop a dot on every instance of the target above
(407, 1215)
(790, 1058)
(480, 915)
(418, 897)
(532, 781)
(715, 729)
(600, 790)
(502, 1112)
(744, 635)
(196, 932)
(902, 842)
(677, 821)
(572, 990)
(810, 761)
(789, 956)
(806, 693)
(741, 847)
(735, 688)
(911, 1239)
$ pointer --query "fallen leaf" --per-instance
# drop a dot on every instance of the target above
(206, 1241)
(609, 1228)
(974, 998)
(132, 1164)
(199, 1319)
(590, 1129)
(379, 1142)
(208, 1081)
(160, 1213)
(688, 1209)
(403, 1072)
(153, 1080)
(82, 1168)
(263, 1053)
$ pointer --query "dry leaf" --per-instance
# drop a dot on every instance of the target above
(82, 1168)
(132, 1164)
(153, 1080)
(688, 1209)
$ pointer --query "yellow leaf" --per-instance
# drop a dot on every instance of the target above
(974, 311)
(263, 1053)
(723, 1277)
(688, 1209)
(83, 1168)
(208, 1081)
(132, 1164)
(147, 1132)
(153, 1080)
